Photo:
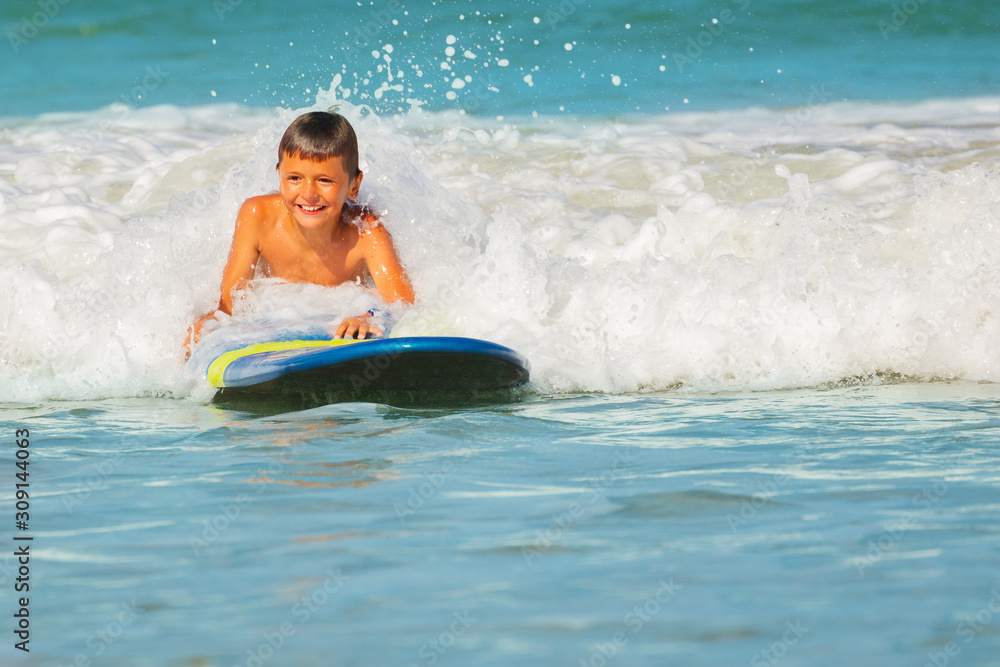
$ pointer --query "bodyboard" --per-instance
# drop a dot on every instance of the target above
(412, 370)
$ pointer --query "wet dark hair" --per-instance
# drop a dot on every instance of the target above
(321, 135)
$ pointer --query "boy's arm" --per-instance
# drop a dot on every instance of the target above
(244, 252)
(384, 266)
(390, 278)
(243, 255)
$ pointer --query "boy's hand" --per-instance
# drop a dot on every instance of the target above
(357, 327)
(194, 332)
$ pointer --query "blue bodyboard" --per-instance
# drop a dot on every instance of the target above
(402, 370)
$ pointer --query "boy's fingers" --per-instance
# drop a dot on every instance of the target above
(349, 328)
(355, 328)
(364, 329)
(368, 329)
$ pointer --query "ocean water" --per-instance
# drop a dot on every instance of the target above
(748, 248)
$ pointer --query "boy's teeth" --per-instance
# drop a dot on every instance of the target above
(311, 208)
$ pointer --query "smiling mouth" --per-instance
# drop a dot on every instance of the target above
(310, 209)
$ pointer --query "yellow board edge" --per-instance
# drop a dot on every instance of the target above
(217, 368)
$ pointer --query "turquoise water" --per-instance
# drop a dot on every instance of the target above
(846, 526)
(751, 262)
(268, 53)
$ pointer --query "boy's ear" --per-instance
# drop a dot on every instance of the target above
(356, 185)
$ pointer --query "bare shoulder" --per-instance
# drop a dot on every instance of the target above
(367, 221)
(260, 208)
(376, 245)
(257, 215)
(360, 214)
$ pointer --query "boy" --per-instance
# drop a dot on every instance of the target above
(307, 231)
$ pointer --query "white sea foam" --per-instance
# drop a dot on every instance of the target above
(740, 249)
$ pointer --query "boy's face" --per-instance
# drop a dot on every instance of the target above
(315, 191)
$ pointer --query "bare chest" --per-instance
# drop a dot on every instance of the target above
(295, 260)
